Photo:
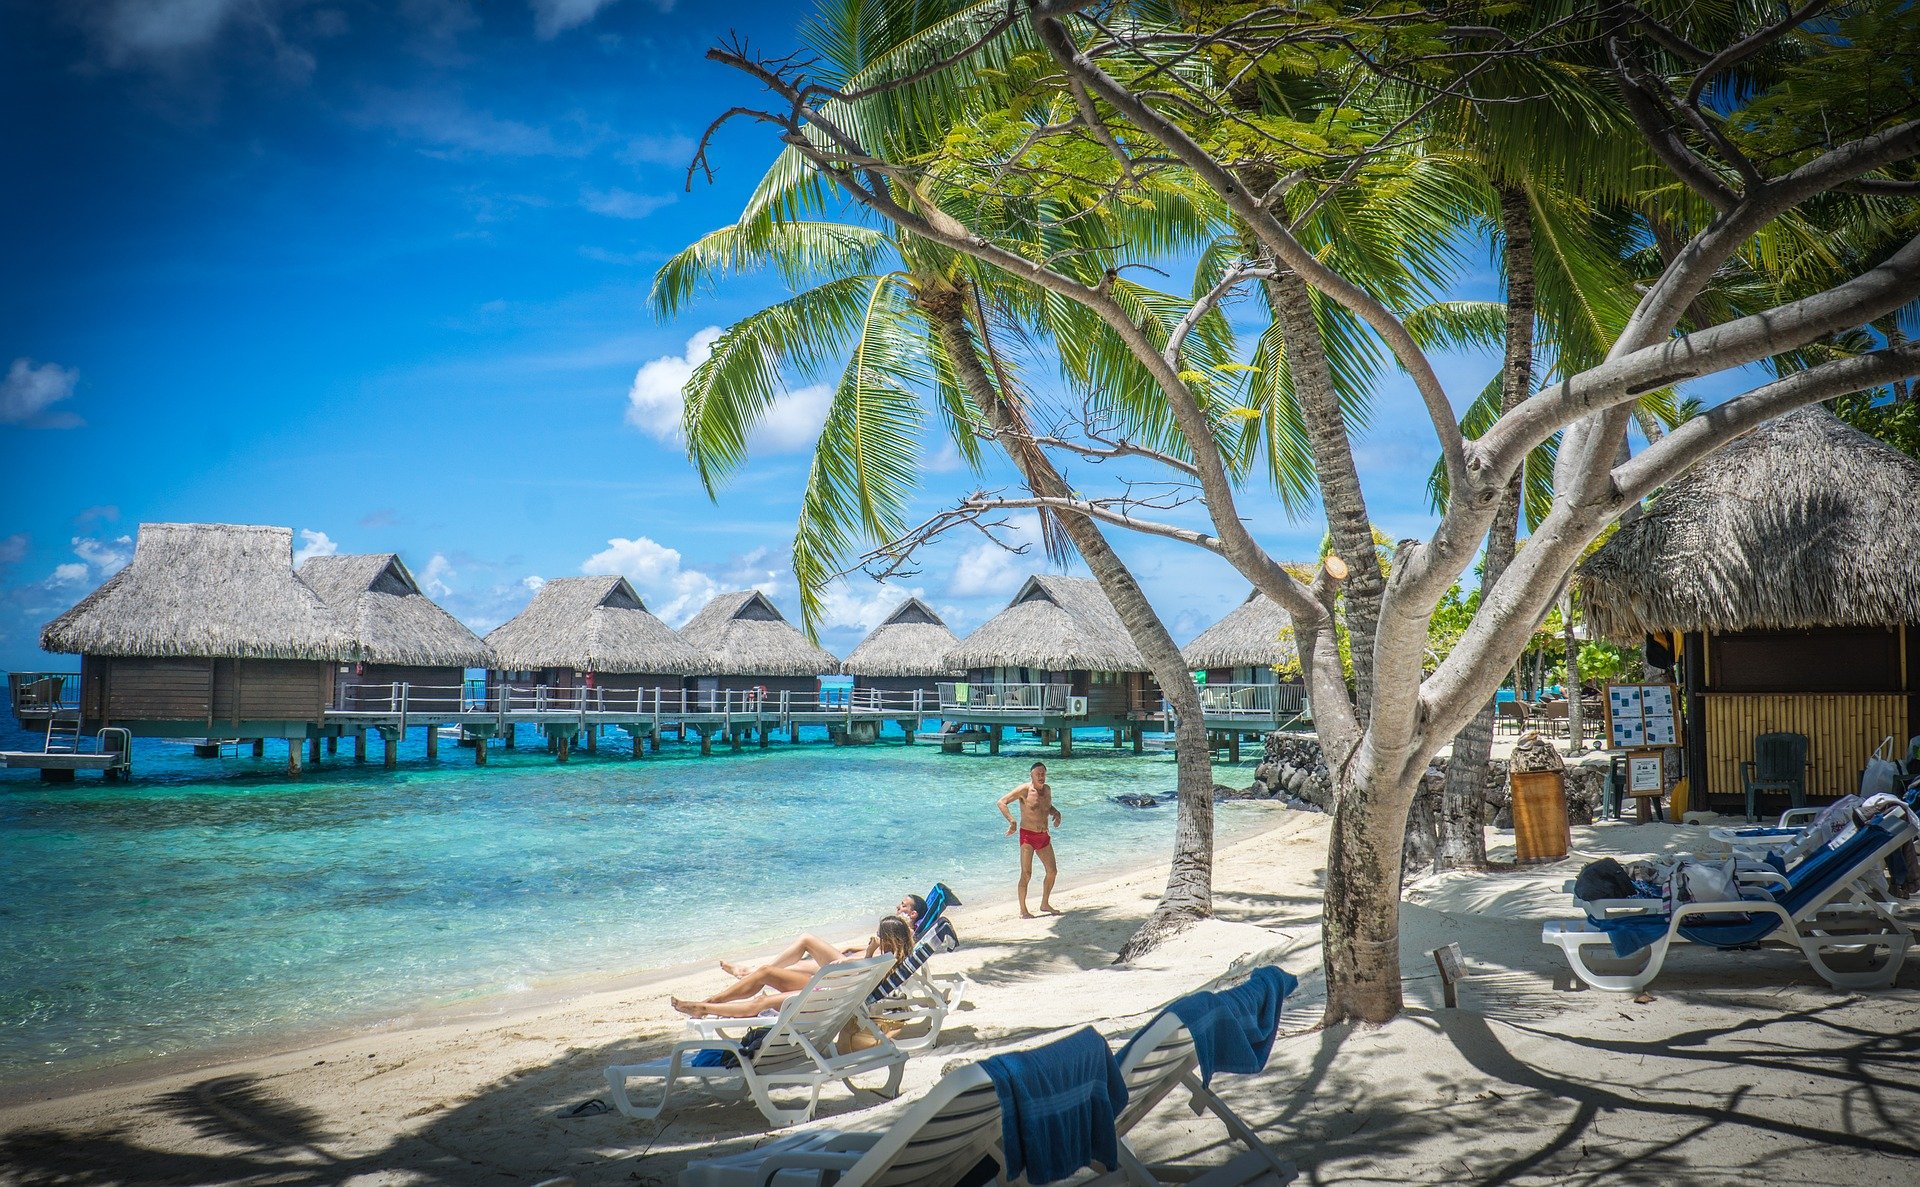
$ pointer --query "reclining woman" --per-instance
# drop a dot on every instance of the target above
(767, 988)
(806, 954)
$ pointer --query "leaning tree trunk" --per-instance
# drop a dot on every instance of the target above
(1575, 726)
(1463, 840)
(1348, 524)
(1361, 919)
(1189, 894)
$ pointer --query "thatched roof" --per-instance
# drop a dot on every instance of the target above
(744, 635)
(913, 641)
(1060, 624)
(380, 604)
(591, 624)
(1256, 634)
(1803, 522)
(206, 590)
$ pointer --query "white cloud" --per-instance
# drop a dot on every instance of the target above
(313, 544)
(71, 573)
(619, 203)
(862, 606)
(656, 400)
(792, 425)
(433, 578)
(670, 590)
(136, 28)
(442, 121)
(13, 549)
(532, 584)
(553, 17)
(28, 391)
(987, 568)
(106, 556)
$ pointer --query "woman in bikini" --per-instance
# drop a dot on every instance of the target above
(768, 988)
(809, 952)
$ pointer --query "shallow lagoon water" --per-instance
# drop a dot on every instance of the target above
(217, 902)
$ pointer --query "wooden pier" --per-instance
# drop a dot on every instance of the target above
(1234, 713)
(568, 719)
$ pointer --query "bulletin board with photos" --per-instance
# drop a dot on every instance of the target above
(1642, 716)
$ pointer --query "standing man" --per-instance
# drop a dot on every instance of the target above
(1036, 814)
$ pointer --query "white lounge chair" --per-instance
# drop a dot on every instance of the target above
(1160, 1060)
(799, 1050)
(936, 1143)
(912, 999)
(1826, 905)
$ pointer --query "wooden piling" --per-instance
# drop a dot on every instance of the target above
(511, 730)
(313, 750)
(433, 742)
(1066, 741)
(259, 747)
(1119, 737)
(993, 739)
(293, 756)
(1233, 745)
(1139, 739)
(480, 750)
(593, 739)
(562, 744)
(333, 743)
(360, 745)
(706, 743)
(390, 748)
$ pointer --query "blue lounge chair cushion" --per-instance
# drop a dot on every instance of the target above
(1232, 1030)
(938, 900)
(1058, 1104)
(1805, 883)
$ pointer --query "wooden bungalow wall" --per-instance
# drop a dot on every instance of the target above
(1846, 690)
(127, 690)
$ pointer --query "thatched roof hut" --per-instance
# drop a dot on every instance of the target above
(1255, 634)
(591, 624)
(381, 606)
(743, 634)
(204, 590)
(1803, 522)
(911, 641)
(1054, 623)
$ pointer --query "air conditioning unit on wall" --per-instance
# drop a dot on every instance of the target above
(1076, 706)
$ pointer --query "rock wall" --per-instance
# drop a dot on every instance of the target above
(1294, 769)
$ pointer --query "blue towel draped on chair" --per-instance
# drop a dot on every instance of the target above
(1233, 1030)
(938, 900)
(1057, 1106)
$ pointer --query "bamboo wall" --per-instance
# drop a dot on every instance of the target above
(1841, 728)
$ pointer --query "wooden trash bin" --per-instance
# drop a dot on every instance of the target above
(1540, 831)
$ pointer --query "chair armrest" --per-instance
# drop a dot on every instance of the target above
(1792, 816)
(1747, 766)
(1604, 907)
(717, 1028)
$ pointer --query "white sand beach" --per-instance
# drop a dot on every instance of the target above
(1742, 1067)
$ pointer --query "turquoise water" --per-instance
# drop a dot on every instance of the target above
(213, 902)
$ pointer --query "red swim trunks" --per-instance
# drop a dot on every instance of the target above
(1037, 840)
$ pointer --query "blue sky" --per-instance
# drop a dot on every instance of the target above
(377, 272)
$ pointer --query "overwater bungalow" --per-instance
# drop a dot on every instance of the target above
(409, 647)
(905, 654)
(207, 632)
(592, 634)
(1784, 574)
(1240, 662)
(1057, 658)
(749, 647)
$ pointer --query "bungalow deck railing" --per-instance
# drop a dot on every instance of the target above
(967, 697)
(639, 703)
(1236, 702)
(44, 694)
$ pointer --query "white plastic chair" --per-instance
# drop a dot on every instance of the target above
(1160, 1060)
(936, 1142)
(799, 1050)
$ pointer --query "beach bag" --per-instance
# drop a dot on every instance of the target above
(1603, 879)
(855, 1037)
(1704, 882)
(1882, 776)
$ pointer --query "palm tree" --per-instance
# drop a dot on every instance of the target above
(910, 326)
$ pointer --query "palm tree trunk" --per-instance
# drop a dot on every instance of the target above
(1348, 524)
(1361, 916)
(1189, 894)
(1463, 838)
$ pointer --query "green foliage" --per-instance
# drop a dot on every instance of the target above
(1601, 662)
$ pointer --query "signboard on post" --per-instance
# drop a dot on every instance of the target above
(1647, 772)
